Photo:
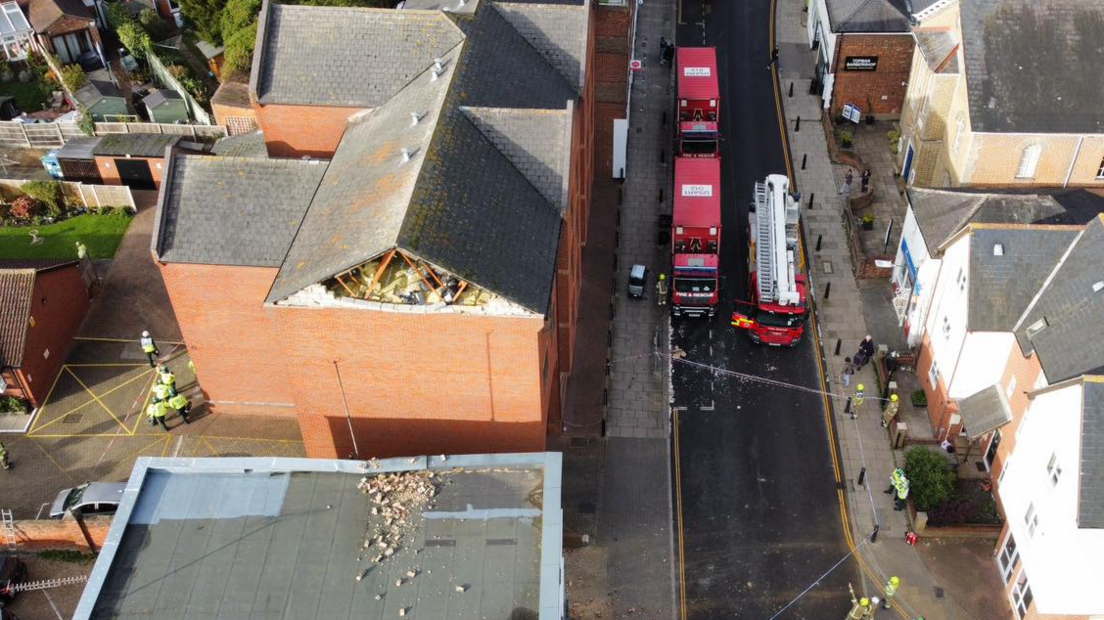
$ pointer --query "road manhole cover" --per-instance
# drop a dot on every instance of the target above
(72, 418)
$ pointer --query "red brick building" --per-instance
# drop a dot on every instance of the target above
(42, 304)
(864, 54)
(418, 292)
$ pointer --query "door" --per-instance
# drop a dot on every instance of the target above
(991, 453)
(135, 173)
(906, 170)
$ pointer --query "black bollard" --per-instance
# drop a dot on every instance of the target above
(847, 406)
(839, 343)
(819, 239)
(804, 160)
(862, 476)
(791, 90)
(797, 125)
(874, 534)
(827, 290)
(811, 196)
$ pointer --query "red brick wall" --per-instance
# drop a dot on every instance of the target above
(55, 323)
(297, 130)
(1026, 370)
(610, 67)
(109, 172)
(414, 383)
(61, 534)
(940, 406)
(864, 88)
(232, 338)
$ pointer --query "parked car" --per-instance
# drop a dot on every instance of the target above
(638, 281)
(100, 498)
(12, 571)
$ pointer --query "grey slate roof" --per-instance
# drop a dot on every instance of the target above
(473, 200)
(1090, 496)
(1070, 345)
(232, 94)
(984, 411)
(95, 91)
(1001, 287)
(558, 32)
(160, 96)
(939, 46)
(533, 141)
(940, 213)
(868, 16)
(1034, 66)
(134, 144)
(234, 211)
(251, 144)
(344, 57)
(919, 6)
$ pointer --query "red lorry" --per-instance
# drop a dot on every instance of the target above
(699, 102)
(696, 237)
(777, 310)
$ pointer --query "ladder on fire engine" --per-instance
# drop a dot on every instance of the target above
(776, 216)
(10, 538)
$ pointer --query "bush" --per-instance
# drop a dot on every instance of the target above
(74, 77)
(930, 478)
(153, 24)
(894, 138)
(48, 193)
(24, 208)
(845, 139)
(238, 57)
(919, 398)
(11, 404)
(87, 124)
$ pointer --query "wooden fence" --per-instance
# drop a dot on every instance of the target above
(91, 196)
(54, 135)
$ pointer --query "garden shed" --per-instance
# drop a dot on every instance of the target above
(166, 106)
(132, 159)
(77, 162)
(103, 100)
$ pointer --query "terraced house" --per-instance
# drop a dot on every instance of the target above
(1005, 93)
(395, 258)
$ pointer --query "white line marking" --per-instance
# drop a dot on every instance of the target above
(711, 406)
(179, 443)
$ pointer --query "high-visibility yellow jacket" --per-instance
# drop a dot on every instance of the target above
(177, 402)
(156, 410)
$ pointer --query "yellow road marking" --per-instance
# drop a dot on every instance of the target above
(42, 410)
(96, 398)
(86, 403)
(56, 464)
(678, 509)
(141, 410)
(253, 439)
(211, 447)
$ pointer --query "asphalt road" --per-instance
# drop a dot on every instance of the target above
(761, 519)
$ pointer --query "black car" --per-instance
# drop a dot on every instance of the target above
(12, 571)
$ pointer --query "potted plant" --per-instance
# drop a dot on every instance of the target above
(919, 398)
(894, 138)
(845, 139)
(868, 221)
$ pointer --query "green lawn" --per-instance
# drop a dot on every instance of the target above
(29, 97)
(101, 233)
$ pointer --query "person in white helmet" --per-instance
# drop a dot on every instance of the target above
(149, 347)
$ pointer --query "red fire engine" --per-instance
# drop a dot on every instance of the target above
(777, 285)
(699, 102)
(696, 237)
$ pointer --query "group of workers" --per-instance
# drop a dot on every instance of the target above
(865, 608)
(165, 397)
(899, 484)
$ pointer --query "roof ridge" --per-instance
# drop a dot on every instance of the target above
(1047, 282)
(569, 79)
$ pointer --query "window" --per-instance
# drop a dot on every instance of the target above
(933, 375)
(1011, 387)
(961, 279)
(960, 128)
(1054, 470)
(1031, 520)
(1021, 596)
(1008, 559)
(1028, 161)
(1100, 173)
(946, 327)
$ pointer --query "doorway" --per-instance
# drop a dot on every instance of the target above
(135, 173)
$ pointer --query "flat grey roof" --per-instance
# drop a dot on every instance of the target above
(285, 539)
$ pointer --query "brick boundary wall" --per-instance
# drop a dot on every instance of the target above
(65, 534)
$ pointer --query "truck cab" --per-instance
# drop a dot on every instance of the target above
(699, 139)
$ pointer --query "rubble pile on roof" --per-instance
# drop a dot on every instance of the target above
(394, 497)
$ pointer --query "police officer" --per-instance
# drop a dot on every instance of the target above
(902, 493)
(661, 290)
(4, 462)
(180, 403)
(162, 392)
(893, 480)
(166, 376)
(149, 347)
(890, 590)
(156, 412)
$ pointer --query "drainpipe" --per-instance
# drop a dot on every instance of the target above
(1073, 161)
(348, 418)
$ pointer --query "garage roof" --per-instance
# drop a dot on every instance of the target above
(134, 144)
(284, 539)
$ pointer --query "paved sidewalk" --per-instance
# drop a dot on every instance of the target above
(862, 441)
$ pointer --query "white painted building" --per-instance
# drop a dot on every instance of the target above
(1052, 490)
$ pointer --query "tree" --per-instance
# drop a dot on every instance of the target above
(205, 16)
(239, 15)
(136, 40)
(238, 57)
(930, 478)
(153, 24)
